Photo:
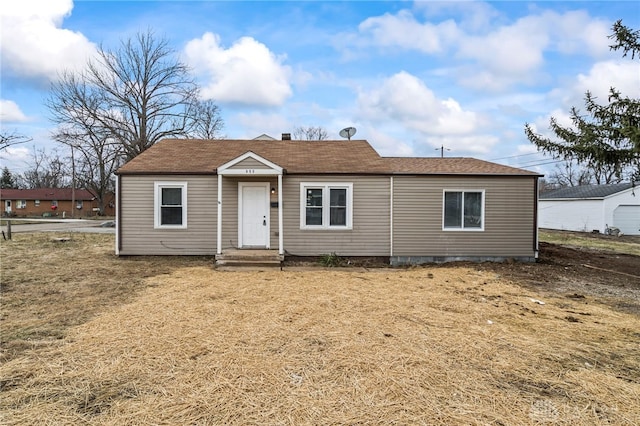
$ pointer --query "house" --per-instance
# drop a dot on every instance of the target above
(592, 208)
(308, 198)
(60, 202)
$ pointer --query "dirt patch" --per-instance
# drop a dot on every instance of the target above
(612, 278)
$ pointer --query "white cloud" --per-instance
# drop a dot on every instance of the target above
(403, 30)
(623, 75)
(491, 55)
(541, 124)
(246, 73)
(10, 112)
(510, 50)
(254, 124)
(517, 51)
(15, 158)
(472, 15)
(405, 98)
(387, 145)
(33, 42)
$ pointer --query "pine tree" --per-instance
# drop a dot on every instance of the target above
(608, 135)
(7, 180)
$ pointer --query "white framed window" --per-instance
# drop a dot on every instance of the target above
(326, 205)
(79, 204)
(170, 205)
(21, 204)
(36, 203)
(463, 210)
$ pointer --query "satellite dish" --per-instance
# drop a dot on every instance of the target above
(347, 132)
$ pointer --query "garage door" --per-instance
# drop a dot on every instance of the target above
(627, 218)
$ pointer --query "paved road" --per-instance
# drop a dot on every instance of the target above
(57, 225)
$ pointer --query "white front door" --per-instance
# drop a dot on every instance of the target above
(253, 214)
(7, 206)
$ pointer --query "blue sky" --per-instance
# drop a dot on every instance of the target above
(410, 76)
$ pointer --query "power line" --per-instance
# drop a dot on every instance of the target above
(540, 164)
(515, 156)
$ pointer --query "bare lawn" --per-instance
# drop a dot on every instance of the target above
(89, 338)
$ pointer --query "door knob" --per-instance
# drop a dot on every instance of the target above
(264, 221)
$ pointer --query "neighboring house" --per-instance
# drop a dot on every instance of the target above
(60, 202)
(591, 208)
(310, 198)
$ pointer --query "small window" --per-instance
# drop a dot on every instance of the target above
(170, 205)
(54, 204)
(326, 205)
(21, 204)
(37, 203)
(463, 210)
(79, 204)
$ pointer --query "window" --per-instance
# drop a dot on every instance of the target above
(54, 204)
(170, 205)
(463, 210)
(37, 203)
(326, 205)
(21, 204)
(79, 204)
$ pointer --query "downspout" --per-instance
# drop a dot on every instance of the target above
(535, 219)
(390, 218)
(118, 214)
(219, 220)
(280, 216)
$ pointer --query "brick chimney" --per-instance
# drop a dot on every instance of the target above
(286, 136)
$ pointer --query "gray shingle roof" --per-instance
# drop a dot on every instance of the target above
(586, 191)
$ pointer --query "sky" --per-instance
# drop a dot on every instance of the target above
(419, 78)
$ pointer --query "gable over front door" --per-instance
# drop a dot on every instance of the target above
(253, 214)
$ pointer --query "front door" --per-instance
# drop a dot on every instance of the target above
(253, 214)
(7, 207)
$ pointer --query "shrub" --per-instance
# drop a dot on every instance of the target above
(331, 260)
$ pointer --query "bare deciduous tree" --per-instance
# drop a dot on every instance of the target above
(8, 139)
(95, 158)
(47, 171)
(310, 133)
(136, 95)
(206, 120)
(569, 174)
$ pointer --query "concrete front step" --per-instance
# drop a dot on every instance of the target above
(247, 262)
(266, 258)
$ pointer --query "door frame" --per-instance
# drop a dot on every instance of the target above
(267, 207)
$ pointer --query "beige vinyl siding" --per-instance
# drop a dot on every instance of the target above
(250, 163)
(230, 209)
(369, 235)
(508, 217)
(137, 233)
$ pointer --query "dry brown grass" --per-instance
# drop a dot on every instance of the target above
(629, 244)
(434, 345)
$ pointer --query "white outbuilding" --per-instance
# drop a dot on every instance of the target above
(590, 208)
